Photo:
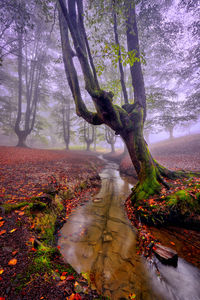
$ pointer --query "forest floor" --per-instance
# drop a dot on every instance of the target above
(38, 191)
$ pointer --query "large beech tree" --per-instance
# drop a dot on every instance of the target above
(128, 120)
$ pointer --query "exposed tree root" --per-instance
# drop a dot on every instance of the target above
(157, 180)
(175, 174)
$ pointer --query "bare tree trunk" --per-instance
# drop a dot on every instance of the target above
(95, 139)
(88, 146)
(29, 78)
(133, 45)
(88, 135)
(112, 148)
(123, 85)
(22, 136)
(66, 109)
(110, 138)
(171, 136)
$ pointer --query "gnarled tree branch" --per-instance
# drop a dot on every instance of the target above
(72, 77)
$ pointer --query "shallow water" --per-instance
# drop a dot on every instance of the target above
(99, 240)
(181, 283)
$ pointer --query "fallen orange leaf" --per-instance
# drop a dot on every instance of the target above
(1, 271)
(13, 230)
(31, 240)
(172, 243)
(62, 277)
(1, 223)
(12, 262)
(2, 232)
(23, 208)
(69, 298)
(21, 213)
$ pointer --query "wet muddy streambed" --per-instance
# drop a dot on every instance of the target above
(99, 240)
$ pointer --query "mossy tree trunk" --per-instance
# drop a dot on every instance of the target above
(126, 121)
(150, 179)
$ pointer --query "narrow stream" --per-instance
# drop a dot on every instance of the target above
(98, 239)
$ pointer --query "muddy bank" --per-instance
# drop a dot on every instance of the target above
(185, 241)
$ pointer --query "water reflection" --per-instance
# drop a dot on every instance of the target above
(98, 239)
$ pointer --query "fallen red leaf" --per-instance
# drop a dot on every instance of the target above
(70, 277)
(33, 249)
(77, 297)
(64, 273)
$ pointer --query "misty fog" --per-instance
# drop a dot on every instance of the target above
(32, 69)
